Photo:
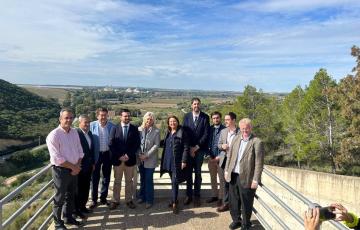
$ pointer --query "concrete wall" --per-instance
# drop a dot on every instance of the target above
(321, 188)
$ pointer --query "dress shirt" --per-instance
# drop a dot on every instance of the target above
(243, 145)
(64, 146)
(86, 134)
(230, 137)
(103, 138)
(125, 132)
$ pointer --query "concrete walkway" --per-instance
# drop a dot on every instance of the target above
(160, 216)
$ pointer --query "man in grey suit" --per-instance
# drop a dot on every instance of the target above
(243, 170)
(226, 137)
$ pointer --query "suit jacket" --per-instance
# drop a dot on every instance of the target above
(223, 140)
(198, 134)
(251, 163)
(181, 151)
(89, 153)
(94, 128)
(118, 147)
(214, 150)
(150, 146)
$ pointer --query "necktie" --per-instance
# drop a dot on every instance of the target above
(196, 120)
(125, 132)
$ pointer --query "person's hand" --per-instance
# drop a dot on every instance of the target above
(143, 157)
(183, 165)
(225, 146)
(312, 219)
(254, 184)
(341, 213)
(193, 150)
(75, 170)
(217, 159)
(126, 157)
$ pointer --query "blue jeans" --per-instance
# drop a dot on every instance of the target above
(146, 184)
(196, 164)
(103, 164)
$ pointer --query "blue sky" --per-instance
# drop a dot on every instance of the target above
(210, 45)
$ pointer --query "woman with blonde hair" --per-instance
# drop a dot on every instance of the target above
(150, 142)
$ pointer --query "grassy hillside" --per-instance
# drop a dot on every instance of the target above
(58, 94)
(25, 115)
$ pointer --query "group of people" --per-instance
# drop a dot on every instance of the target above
(80, 156)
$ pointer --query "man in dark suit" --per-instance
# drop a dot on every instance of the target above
(124, 146)
(87, 166)
(243, 170)
(213, 164)
(196, 124)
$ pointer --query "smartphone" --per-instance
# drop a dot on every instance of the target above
(326, 213)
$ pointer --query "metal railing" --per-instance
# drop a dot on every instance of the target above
(260, 216)
(283, 205)
(18, 212)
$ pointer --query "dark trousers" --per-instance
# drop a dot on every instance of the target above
(226, 189)
(174, 187)
(83, 188)
(196, 164)
(65, 188)
(146, 184)
(241, 201)
(103, 164)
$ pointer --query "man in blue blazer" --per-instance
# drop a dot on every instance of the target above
(101, 133)
(196, 123)
(124, 147)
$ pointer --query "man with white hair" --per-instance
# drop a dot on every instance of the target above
(87, 166)
(243, 170)
(65, 156)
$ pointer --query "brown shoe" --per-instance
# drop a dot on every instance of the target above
(131, 205)
(175, 208)
(219, 203)
(197, 202)
(187, 200)
(223, 208)
(113, 205)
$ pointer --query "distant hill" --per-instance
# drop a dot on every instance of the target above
(25, 115)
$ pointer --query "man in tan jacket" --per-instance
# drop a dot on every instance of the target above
(243, 170)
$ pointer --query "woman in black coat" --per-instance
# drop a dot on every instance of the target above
(174, 158)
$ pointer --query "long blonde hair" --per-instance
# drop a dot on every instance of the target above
(148, 114)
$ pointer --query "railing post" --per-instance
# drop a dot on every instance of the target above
(1, 215)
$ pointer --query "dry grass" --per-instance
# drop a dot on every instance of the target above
(48, 92)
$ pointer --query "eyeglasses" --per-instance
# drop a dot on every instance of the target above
(68, 118)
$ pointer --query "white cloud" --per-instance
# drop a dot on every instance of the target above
(284, 6)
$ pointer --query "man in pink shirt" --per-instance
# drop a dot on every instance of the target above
(65, 155)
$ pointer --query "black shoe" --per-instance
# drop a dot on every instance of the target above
(212, 199)
(105, 202)
(235, 225)
(197, 202)
(72, 221)
(187, 200)
(86, 210)
(60, 227)
(113, 205)
(131, 205)
(79, 214)
(93, 205)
